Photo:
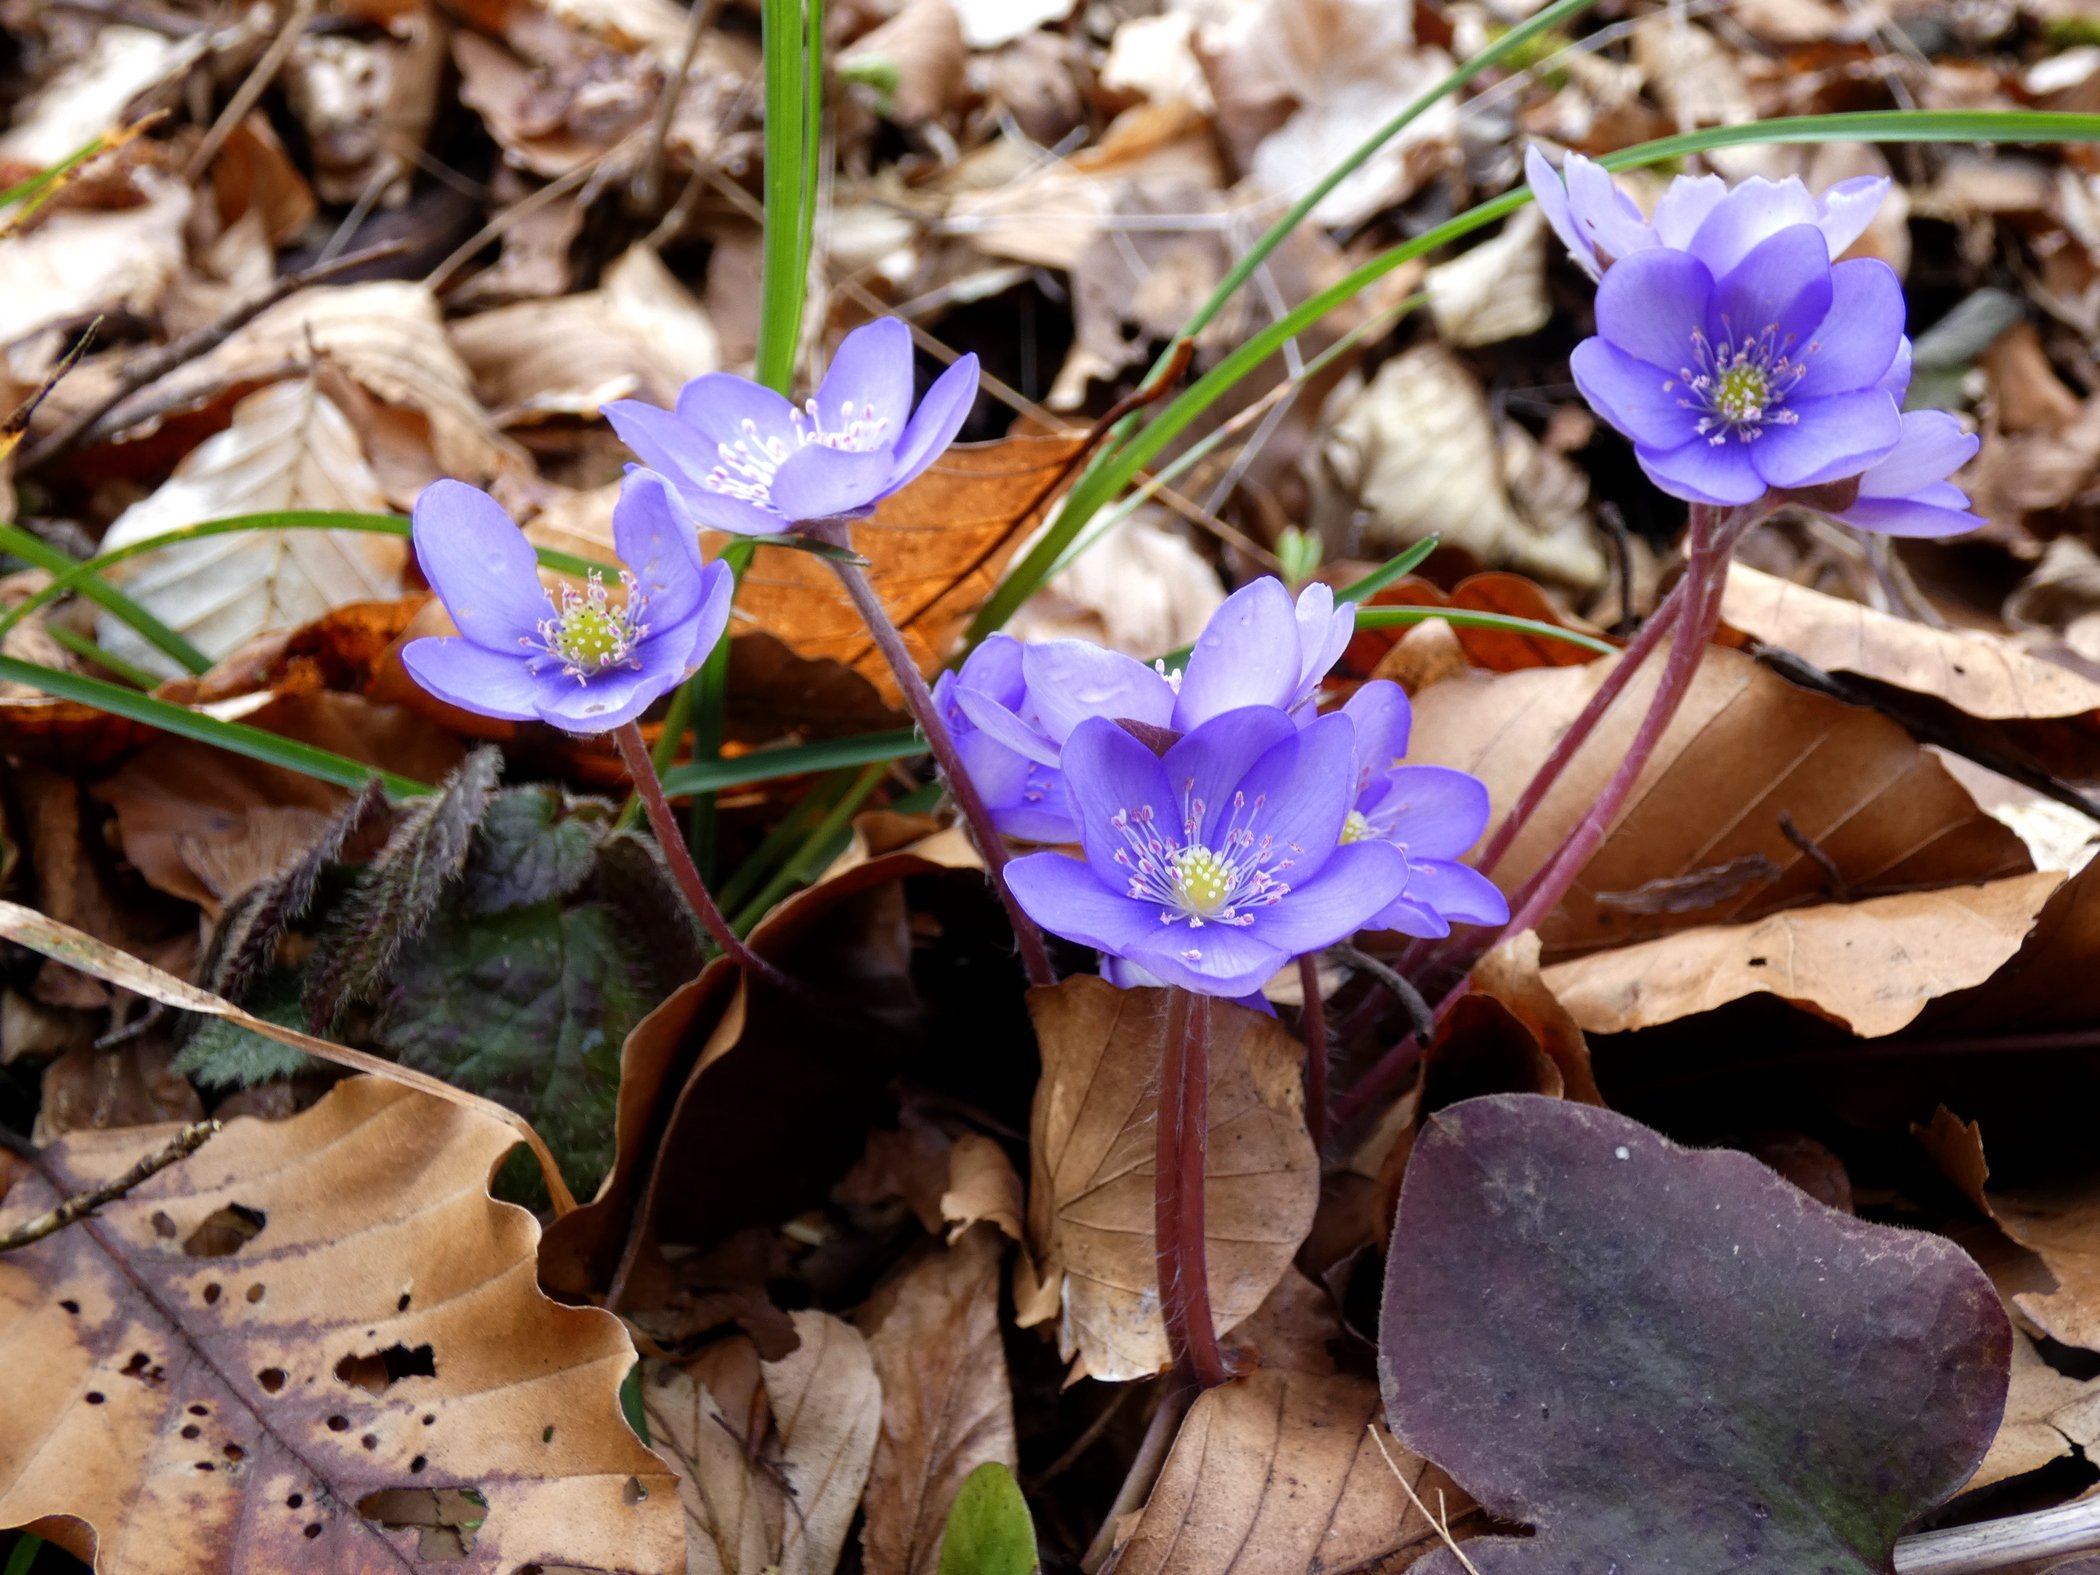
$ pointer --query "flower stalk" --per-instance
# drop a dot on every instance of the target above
(1313, 1022)
(1181, 1143)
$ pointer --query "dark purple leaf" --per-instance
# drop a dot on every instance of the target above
(1673, 1361)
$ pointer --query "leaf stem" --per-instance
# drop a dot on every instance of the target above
(918, 700)
(1312, 1021)
(634, 754)
(1182, 1137)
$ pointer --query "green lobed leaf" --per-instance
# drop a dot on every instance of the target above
(533, 843)
(989, 1529)
(1669, 1359)
(223, 1054)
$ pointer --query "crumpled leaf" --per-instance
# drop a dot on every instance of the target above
(233, 1411)
(1090, 1204)
(1669, 1359)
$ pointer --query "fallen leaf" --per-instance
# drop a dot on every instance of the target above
(1558, 1270)
(289, 447)
(1090, 1203)
(947, 1407)
(337, 1353)
(1876, 803)
(2048, 1415)
(89, 95)
(1497, 290)
(1868, 966)
(1281, 1473)
(1141, 590)
(78, 263)
(130, 1085)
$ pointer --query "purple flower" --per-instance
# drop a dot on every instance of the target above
(1261, 649)
(1211, 866)
(1769, 377)
(742, 459)
(1432, 814)
(1013, 760)
(588, 666)
(1908, 493)
(1702, 215)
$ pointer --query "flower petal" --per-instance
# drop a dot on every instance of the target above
(1408, 917)
(1071, 680)
(1380, 712)
(1608, 218)
(1323, 634)
(1684, 207)
(1433, 812)
(816, 483)
(1063, 896)
(1108, 774)
(1783, 284)
(1703, 472)
(1844, 212)
(996, 720)
(474, 678)
(934, 424)
(1247, 655)
(1214, 960)
(1652, 304)
(481, 566)
(1552, 197)
(685, 456)
(870, 378)
(1456, 891)
(656, 546)
(1896, 380)
(731, 412)
(1296, 796)
(1209, 764)
(1753, 212)
(617, 695)
(1642, 400)
(1836, 436)
(1349, 890)
(1910, 517)
(1932, 448)
(1857, 342)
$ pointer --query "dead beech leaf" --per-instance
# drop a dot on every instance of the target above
(1745, 747)
(2048, 1414)
(78, 263)
(771, 1456)
(935, 550)
(1279, 1473)
(1868, 966)
(1090, 1204)
(289, 447)
(339, 1351)
(947, 1408)
(62, 943)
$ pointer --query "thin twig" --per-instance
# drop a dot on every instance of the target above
(81, 1204)
(2002, 1544)
(1420, 1019)
(1176, 1395)
(150, 367)
(244, 98)
(649, 186)
(499, 225)
(1840, 889)
(1441, 1526)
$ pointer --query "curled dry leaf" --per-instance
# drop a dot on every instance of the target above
(76, 264)
(1281, 1473)
(289, 447)
(947, 1407)
(1556, 1272)
(1090, 1205)
(224, 1370)
(1873, 801)
(1868, 966)
(771, 1456)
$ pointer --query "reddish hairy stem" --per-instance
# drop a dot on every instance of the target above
(1182, 1137)
(918, 699)
(1313, 1020)
(634, 754)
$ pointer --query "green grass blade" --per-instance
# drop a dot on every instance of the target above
(22, 1556)
(767, 765)
(1096, 487)
(67, 575)
(783, 32)
(823, 844)
(1378, 579)
(80, 645)
(1469, 618)
(235, 737)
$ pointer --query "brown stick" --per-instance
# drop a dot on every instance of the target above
(245, 97)
(1312, 1020)
(2001, 1544)
(81, 1204)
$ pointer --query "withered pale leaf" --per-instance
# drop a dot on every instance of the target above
(1745, 747)
(78, 263)
(1090, 1205)
(1279, 1473)
(1869, 966)
(379, 1328)
(2048, 1414)
(827, 1410)
(933, 1331)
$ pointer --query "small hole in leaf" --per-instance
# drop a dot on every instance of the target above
(192, 1430)
(271, 1379)
(94, 1397)
(200, 1410)
(547, 1434)
(71, 1306)
(211, 1294)
(206, 1465)
(255, 1292)
(402, 1304)
(415, 1466)
(225, 1231)
(339, 1424)
(633, 1492)
(136, 1367)
(312, 1531)
(447, 1519)
(295, 1501)
(163, 1224)
(370, 1440)
(428, 1419)
(234, 1452)
(1757, 962)
(372, 1373)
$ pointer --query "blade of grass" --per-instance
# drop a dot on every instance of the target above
(234, 737)
(783, 842)
(824, 844)
(1378, 579)
(768, 765)
(1470, 618)
(68, 575)
(1116, 469)
(80, 645)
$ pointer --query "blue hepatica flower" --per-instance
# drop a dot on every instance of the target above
(1020, 703)
(741, 458)
(588, 665)
(1906, 492)
(1214, 864)
(1431, 814)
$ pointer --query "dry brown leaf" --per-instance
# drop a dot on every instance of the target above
(771, 1456)
(1868, 966)
(982, 1186)
(1279, 1473)
(1090, 1192)
(921, 51)
(2048, 1415)
(947, 1408)
(1745, 747)
(2060, 1224)
(1141, 590)
(77, 263)
(289, 447)
(1980, 673)
(1497, 290)
(131, 1085)
(88, 95)
(197, 1398)
(936, 551)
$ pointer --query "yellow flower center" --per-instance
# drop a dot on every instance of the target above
(1743, 392)
(1203, 880)
(1355, 828)
(588, 634)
